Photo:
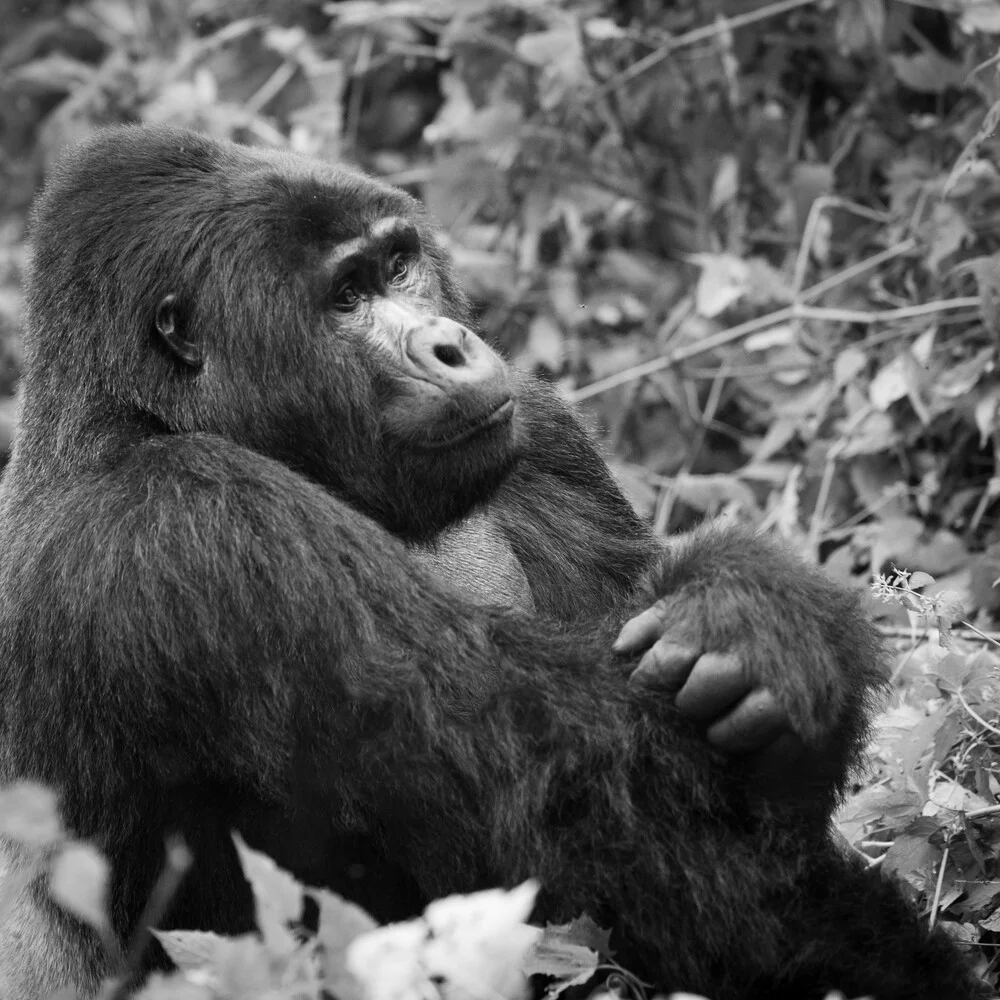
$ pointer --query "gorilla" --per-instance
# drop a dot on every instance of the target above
(285, 548)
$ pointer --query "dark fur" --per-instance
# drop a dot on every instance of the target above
(202, 627)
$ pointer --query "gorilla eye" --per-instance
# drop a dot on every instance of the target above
(346, 297)
(399, 268)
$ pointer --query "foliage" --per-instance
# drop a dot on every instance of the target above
(462, 948)
(756, 240)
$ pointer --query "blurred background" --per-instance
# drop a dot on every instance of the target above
(755, 241)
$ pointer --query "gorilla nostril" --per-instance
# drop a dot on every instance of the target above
(448, 355)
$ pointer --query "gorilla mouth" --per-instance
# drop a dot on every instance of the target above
(499, 417)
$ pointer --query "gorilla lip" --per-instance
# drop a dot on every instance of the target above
(499, 417)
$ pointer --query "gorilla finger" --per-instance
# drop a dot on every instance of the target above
(757, 721)
(717, 681)
(666, 664)
(640, 632)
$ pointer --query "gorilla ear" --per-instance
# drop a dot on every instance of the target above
(171, 328)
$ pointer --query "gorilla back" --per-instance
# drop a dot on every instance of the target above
(249, 390)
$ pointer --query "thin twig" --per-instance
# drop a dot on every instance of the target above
(937, 891)
(272, 86)
(868, 264)
(694, 36)
(793, 312)
(178, 862)
(975, 715)
(886, 315)
(667, 497)
(985, 811)
(816, 210)
(816, 521)
(969, 634)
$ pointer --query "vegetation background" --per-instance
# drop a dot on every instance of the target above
(759, 242)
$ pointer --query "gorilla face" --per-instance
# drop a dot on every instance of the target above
(301, 310)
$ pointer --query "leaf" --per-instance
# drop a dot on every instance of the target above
(78, 882)
(983, 578)
(175, 986)
(860, 25)
(765, 284)
(878, 803)
(454, 114)
(776, 437)
(479, 942)
(29, 814)
(901, 542)
(987, 272)
(388, 961)
(190, 950)
(872, 434)
(970, 154)
(904, 375)
(545, 48)
(980, 15)
(848, 364)
(277, 895)
(961, 378)
(245, 968)
(985, 413)
(586, 931)
(340, 923)
(948, 794)
(725, 186)
(545, 345)
(602, 29)
(459, 118)
(571, 964)
(948, 232)
(927, 72)
(707, 493)
(559, 54)
(464, 948)
(875, 481)
(723, 281)
(54, 72)
(774, 336)
(371, 13)
(486, 274)
(8, 417)
(891, 383)
(810, 181)
(910, 854)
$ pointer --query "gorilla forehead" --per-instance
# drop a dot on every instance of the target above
(333, 205)
(324, 202)
(176, 177)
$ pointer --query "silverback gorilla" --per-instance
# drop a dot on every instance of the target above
(251, 407)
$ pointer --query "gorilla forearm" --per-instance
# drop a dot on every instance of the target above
(447, 736)
(717, 590)
(724, 586)
(794, 665)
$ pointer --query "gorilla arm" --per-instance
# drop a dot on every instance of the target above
(764, 652)
(781, 665)
(205, 632)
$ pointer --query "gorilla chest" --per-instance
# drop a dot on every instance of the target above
(475, 556)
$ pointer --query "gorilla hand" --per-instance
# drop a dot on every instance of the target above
(713, 688)
(762, 650)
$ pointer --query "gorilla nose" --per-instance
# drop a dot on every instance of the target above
(451, 357)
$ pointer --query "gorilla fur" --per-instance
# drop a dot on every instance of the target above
(250, 398)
